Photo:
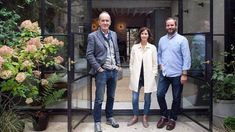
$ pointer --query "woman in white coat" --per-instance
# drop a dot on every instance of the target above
(143, 71)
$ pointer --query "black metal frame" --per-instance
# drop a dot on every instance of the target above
(70, 72)
(70, 36)
(209, 51)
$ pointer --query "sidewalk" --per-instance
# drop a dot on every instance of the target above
(59, 124)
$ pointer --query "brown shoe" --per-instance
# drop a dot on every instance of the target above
(145, 121)
(162, 122)
(170, 125)
(132, 121)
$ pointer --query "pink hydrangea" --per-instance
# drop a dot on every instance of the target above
(35, 41)
(1, 62)
(25, 24)
(31, 48)
(29, 101)
(58, 59)
(27, 63)
(6, 74)
(5, 50)
(53, 41)
(48, 39)
(37, 73)
(20, 77)
(44, 82)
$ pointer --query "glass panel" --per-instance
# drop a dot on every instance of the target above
(80, 17)
(61, 69)
(196, 97)
(81, 85)
(81, 99)
(197, 44)
(195, 94)
(196, 19)
(196, 16)
(80, 55)
(218, 18)
(62, 52)
(80, 93)
(218, 47)
(55, 16)
(131, 40)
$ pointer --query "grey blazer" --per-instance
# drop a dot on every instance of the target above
(96, 52)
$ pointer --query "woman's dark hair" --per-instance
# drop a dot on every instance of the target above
(150, 38)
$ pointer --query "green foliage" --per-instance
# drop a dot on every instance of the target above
(10, 122)
(10, 14)
(50, 94)
(229, 123)
(8, 27)
(29, 1)
(224, 81)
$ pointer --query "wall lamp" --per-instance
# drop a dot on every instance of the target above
(201, 4)
(186, 11)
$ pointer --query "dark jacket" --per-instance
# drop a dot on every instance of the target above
(96, 52)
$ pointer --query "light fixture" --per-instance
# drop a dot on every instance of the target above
(201, 4)
(120, 26)
(186, 11)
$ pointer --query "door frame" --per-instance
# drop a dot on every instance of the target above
(209, 56)
(71, 70)
(180, 30)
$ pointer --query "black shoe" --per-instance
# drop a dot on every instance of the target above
(111, 121)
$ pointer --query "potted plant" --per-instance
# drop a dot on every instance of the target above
(224, 88)
(20, 65)
(47, 96)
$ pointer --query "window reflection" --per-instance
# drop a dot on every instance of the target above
(198, 54)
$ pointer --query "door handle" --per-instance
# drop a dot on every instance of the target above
(206, 62)
(72, 62)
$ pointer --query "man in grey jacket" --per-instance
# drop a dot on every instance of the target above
(103, 56)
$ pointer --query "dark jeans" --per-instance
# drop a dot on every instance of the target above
(102, 79)
(177, 88)
(135, 102)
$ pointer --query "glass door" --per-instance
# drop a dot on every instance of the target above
(79, 82)
(132, 34)
(197, 94)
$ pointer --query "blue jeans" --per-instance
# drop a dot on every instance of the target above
(177, 88)
(135, 101)
(106, 78)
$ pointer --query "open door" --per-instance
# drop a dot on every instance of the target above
(196, 26)
(79, 82)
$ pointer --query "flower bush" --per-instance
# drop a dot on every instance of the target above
(20, 64)
(224, 79)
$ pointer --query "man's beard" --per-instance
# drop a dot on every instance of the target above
(173, 32)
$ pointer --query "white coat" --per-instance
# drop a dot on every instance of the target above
(149, 57)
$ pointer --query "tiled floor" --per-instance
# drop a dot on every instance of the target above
(59, 124)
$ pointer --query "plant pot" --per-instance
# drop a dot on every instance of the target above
(221, 110)
(41, 120)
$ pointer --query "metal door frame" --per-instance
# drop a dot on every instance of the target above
(209, 56)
